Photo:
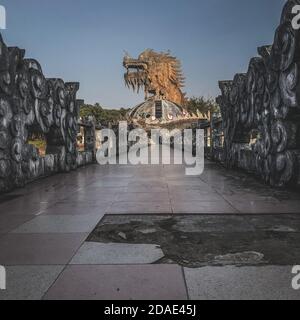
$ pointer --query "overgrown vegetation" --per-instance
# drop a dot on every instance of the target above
(202, 105)
(103, 116)
(40, 144)
(195, 105)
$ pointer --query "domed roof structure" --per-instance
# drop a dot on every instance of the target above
(157, 111)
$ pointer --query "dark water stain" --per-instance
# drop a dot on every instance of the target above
(9, 197)
(237, 180)
(197, 241)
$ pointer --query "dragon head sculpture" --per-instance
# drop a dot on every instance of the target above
(158, 73)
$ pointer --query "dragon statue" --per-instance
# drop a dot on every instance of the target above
(159, 74)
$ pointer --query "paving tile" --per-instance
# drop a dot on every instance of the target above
(146, 189)
(244, 283)
(80, 208)
(142, 197)
(292, 206)
(119, 175)
(148, 183)
(11, 222)
(187, 182)
(102, 191)
(139, 208)
(111, 183)
(143, 282)
(189, 188)
(39, 249)
(158, 180)
(91, 196)
(23, 208)
(195, 195)
(270, 207)
(117, 253)
(49, 196)
(61, 224)
(249, 197)
(201, 207)
(29, 282)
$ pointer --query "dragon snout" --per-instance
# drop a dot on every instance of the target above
(135, 64)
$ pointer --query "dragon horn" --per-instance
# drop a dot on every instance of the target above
(127, 54)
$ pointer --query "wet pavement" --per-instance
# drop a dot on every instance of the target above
(221, 235)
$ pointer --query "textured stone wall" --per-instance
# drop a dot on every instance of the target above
(30, 103)
(266, 100)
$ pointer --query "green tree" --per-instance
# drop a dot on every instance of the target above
(103, 116)
(203, 105)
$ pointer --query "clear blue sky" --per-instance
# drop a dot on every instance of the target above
(83, 40)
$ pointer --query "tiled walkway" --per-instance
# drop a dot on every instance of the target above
(43, 226)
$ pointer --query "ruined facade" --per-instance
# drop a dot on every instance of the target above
(30, 103)
(261, 109)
